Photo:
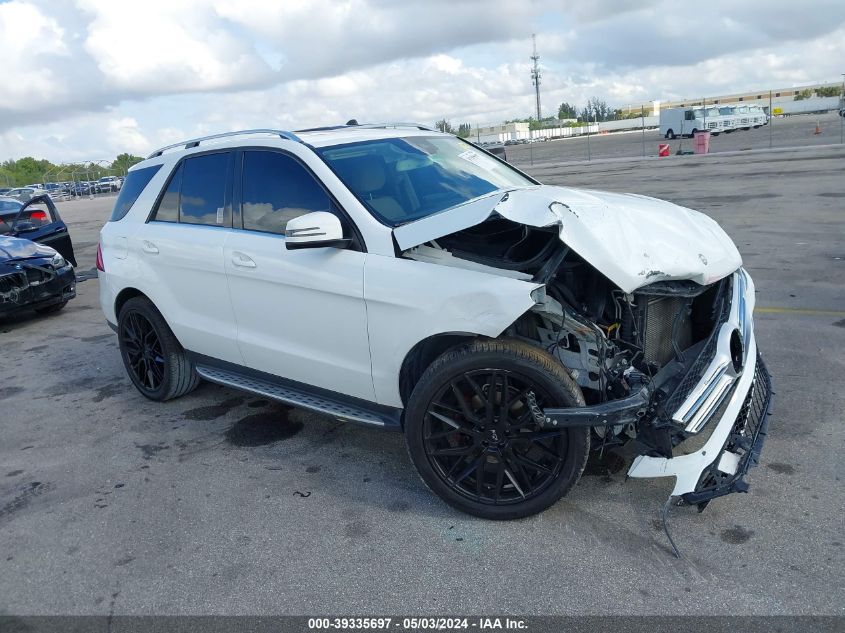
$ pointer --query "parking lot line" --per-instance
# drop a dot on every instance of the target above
(804, 311)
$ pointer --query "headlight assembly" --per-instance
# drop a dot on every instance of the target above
(58, 261)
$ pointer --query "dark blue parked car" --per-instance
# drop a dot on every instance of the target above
(36, 257)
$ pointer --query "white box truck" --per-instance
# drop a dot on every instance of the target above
(675, 122)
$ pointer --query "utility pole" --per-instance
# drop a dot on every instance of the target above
(771, 119)
(535, 75)
(642, 124)
(842, 112)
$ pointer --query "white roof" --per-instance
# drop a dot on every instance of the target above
(316, 138)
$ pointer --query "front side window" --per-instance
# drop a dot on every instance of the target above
(400, 180)
(275, 189)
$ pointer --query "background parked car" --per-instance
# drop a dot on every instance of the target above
(108, 183)
(38, 221)
(24, 194)
(33, 276)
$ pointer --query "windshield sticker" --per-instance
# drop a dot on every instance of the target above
(475, 158)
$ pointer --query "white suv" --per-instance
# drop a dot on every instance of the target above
(402, 278)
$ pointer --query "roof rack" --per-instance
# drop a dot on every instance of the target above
(194, 142)
(370, 126)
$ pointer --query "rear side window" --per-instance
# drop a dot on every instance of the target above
(136, 181)
(275, 189)
(196, 193)
(168, 206)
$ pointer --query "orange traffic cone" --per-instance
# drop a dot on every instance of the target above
(818, 128)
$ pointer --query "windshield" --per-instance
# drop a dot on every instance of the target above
(404, 179)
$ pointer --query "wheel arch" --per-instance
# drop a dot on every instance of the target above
(131, 292)
(425, 352)
(125, 295)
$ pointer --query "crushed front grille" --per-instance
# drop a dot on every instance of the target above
(722, 310)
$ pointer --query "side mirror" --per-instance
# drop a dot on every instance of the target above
(314, 230)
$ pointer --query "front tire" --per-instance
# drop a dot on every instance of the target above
(154, 359)
(473, 438)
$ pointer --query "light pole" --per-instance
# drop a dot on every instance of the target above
(842, 112)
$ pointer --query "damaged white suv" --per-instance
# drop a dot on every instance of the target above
(397, 277)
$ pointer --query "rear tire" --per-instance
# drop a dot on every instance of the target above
(485, 455)
(671, 135)
(155, 361)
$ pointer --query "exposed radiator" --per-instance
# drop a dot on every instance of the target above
(658, 323)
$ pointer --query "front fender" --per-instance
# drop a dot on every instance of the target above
(409, 301)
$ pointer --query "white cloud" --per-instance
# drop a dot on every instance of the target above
(107, 77)
(28, 79)
(158, 45)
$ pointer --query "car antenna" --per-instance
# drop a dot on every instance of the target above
(352, 122)
(664, 516)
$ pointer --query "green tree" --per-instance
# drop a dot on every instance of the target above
(123, 162)
(804, 94)
(464, 130)
(596, 110)
(567, 111)
(444, 126)
(829, 91)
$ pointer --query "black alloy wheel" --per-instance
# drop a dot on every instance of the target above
(155, 361)
(143, 351)
(472, 432)
(482, 439)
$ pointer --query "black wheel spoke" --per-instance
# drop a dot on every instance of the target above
(547, 451)
(455, 466)
(452, 451)
(462, 403)
(527, 462)
(143, 351)
(455, 424)
(479, 475)
(518, 472)
(500, 479)
(468, 470)
(483, 441)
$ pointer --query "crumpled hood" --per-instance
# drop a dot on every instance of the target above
(633, 240)
(18, 248)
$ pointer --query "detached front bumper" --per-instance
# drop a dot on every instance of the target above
(730, 403)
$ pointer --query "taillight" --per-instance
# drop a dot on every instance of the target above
(38, 215)
(100, 265)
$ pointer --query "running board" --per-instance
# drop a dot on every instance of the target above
(299, 398)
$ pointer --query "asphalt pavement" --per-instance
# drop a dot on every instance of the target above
(225, 503)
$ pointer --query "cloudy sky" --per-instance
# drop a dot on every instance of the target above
(87, 79)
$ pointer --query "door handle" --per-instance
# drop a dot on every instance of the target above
(243, 260)
(149, 247)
